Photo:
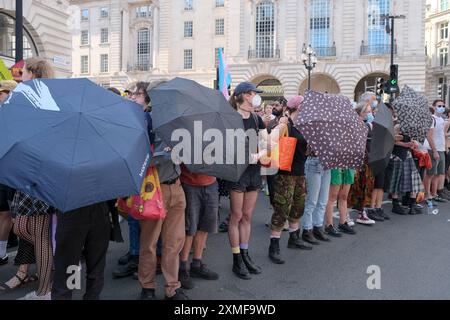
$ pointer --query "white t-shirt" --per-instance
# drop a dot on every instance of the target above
(438, 127)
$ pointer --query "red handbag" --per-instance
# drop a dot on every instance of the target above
(148, 205)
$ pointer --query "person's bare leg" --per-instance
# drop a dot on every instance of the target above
(236, 203)
(434, 186)
(199, 244)
(5, 228)
(427, 185)
(245, 225)
(184, 255)
(332, 197)
(380, 194)
(342, 203)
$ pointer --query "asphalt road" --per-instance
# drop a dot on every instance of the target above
(412, 253)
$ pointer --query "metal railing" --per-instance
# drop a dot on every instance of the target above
(139, 67)
(270, 53)
(377, 49)
(326, 51)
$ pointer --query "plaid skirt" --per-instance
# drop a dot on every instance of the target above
(402, 176)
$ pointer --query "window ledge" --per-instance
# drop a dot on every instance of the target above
(85, 45)
(106, 44)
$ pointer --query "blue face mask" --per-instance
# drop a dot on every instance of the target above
(370, 118)
(440, 109)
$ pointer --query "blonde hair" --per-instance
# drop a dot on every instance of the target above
(39, 67)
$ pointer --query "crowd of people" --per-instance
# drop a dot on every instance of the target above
(303, 201)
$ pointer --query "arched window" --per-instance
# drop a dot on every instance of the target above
(8, 39)
(320, 26)
(377, 39)
(143, 49)
(265, 29)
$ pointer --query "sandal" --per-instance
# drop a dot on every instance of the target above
(22, 282)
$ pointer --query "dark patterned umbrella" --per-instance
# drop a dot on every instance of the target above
(333, 130)
(413, 114)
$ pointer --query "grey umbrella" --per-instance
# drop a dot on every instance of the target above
(199, 125)
(382, 140)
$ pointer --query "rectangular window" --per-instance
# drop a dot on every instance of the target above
(188, 4)
(220, 27)
(265, 30)
(104, 63)
(443, 31)
(444, 5)
(187, 59)
(378, 40)
(143, 50)
(104, 12)
(216, 55)
(104, 35)
(319, 26)
(85, 15)
(220, 3)
(188, 29)
(84, 64)
(144, 12)
(443, 57)
(85, 37)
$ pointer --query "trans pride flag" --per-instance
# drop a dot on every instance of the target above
(224, 75)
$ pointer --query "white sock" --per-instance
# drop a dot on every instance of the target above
(293, 229)
(3, 245)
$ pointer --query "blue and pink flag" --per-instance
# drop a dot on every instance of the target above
(224, 75)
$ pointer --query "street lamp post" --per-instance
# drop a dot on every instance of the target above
(19, 30)
(309, 60)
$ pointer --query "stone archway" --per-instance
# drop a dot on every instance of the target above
(272, 87)
(368, 83)
(320, 83)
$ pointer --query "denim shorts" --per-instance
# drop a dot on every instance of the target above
(202, 208)
(249, 181)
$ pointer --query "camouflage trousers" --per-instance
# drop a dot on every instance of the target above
(288, 201)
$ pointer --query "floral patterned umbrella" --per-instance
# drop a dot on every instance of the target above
(413, 114)
(333, 130)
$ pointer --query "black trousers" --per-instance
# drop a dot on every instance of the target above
(82, 231)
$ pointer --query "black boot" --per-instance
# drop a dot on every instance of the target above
(397, 208)
(308, 237)
(251, 266)
(295, 242)
(239, 267)
(274, 251)
(318, 234)
(414, 208)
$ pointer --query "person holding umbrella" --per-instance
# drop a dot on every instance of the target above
(244, 193)
(6, 193)
(33, 217)
(290, 192)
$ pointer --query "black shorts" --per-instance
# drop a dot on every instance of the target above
(249, 181)
(6, 196)
(379, 181)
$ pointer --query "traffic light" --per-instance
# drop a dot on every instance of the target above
(380, 86)
(393, 80)
(440, 90)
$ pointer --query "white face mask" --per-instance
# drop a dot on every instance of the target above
(256, 101)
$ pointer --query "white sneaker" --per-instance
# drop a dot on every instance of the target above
(33, 296)
(364, 219)
(350, 221)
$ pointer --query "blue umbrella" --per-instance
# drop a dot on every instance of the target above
(71, 143)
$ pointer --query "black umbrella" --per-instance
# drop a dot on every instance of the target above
(200, 125)
(382, 142)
